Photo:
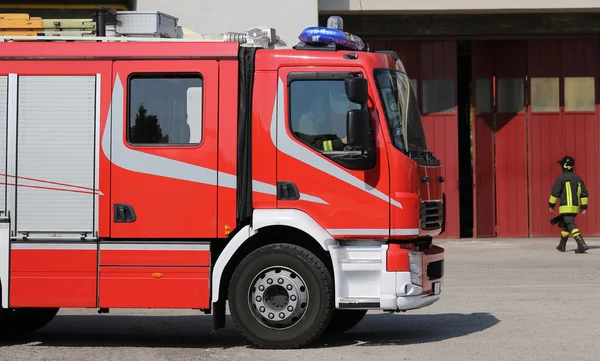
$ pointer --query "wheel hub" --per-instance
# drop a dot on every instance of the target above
(278, 297)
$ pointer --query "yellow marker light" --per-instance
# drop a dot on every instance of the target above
(157, 275)
(227, 230)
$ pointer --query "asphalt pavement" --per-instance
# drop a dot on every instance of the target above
(503, 299)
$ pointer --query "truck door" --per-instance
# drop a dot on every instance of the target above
(348, 201)
(163, 184)
(164, 149)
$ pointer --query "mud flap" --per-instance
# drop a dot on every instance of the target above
(4, 260)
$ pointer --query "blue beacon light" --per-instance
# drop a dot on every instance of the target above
(333, 33)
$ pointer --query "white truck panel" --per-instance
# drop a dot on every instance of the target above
(56, 154)
(3, 123)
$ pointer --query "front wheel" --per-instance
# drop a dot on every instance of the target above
(281, 296)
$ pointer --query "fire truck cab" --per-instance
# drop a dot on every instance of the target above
(296, 185)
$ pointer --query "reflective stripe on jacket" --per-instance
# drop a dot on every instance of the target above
(570, 190)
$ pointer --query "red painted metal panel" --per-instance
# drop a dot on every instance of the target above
(227, 162)
(166, 258)
(545, 146)
(580, 58)
(154, 287)
(442, 135)
(484, 202)
(437, 60)
(511, 147)
(342, 197)
(264, 154)
(53, 278)
(552, 135)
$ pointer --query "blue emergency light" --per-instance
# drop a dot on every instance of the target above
(334, 33)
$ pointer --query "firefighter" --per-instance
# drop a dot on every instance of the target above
(573, 195)
(324, 142)
(315, 126)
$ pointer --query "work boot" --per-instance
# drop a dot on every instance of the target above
(562, 244)
(581, 246)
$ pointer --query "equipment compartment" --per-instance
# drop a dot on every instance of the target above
(55, 155)
(153, 23)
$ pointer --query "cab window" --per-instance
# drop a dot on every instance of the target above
(165, 109)
(318, 111)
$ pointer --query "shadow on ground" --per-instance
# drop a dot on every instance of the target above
(574, 247)
(195, 331)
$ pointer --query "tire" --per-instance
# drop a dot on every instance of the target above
(344, 320)
(5, 325)
(22, 321)
(277, 280)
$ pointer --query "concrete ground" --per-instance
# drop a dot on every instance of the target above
(516, 299)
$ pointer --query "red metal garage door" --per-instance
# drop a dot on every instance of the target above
(438, 70)
(538, 118)
(563, 119)
(431, 66)
(484, 194)
(511, 139)
(581, 70)
(545, 129)
(500, 139)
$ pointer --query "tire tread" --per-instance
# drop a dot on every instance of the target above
(327, 293)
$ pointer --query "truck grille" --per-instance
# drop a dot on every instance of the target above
(431, 215)
(435, 270)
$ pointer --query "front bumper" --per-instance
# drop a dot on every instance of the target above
(370, 277)
(415, 302)
(407, 296)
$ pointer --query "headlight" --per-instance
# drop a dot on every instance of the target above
(416, 267)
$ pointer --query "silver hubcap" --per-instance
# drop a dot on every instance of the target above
(278, 297)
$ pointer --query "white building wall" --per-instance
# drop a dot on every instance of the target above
(288, 17)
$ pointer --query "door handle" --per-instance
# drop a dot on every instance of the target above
(124, 213)
(287, 191)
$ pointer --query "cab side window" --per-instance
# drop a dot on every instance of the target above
(165, 109)
(318, 111)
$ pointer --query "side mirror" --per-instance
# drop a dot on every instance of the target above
(357, 90)
(357, 128)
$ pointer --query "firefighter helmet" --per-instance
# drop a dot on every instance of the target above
(567, 162)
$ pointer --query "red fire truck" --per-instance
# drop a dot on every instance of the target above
(294, 184)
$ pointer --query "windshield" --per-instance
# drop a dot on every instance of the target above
(401, 111)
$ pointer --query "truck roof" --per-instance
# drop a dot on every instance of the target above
(267, 59)
(291, 57)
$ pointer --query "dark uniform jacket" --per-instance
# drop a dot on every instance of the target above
(571, 191)
(324, 142)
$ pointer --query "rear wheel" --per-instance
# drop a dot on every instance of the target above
(343, 320)
(281, 296)
(22, 321)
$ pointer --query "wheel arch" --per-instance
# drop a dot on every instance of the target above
(268, 227)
